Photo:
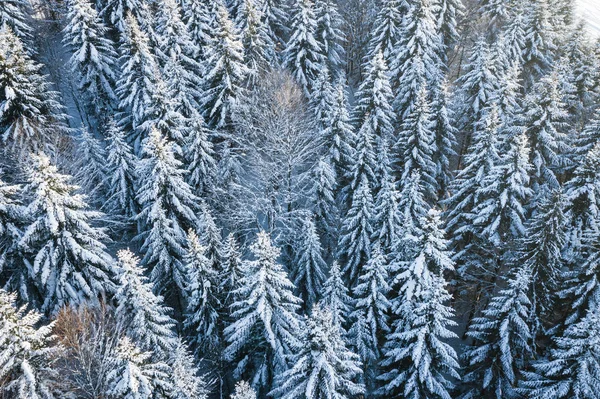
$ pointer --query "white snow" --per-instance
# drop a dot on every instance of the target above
(590, 11)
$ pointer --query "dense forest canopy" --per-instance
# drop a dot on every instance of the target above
(299, 199)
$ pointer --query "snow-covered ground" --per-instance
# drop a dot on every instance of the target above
(590, 11)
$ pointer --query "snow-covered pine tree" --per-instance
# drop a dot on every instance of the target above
(64, 254)
(210, 236)
(259, 48)
(93, 59)
(571, 369)
(339, 135)
(544, 117)
(445, 133)
(330, 35)
(324, 367)
(266, 325)
(91, 172)
(539, 46)
(168, 210)
(203, 304)
(413, 208)
(501, 213)
(140, 313)
(335, 296)
(200, 157)
(13, 14)
(303, 53)
(502, 342)
(355, 241)
(225, 71)
(514, 34)
(540, 249)
(448, 16)
(322, 100)
(418, 361)
(387, 29)
(582, 288)
(275, 16)
(177, 54)
(478, 87)
(243, 390)
(387, 224)
(121, 167)
(363, 164)
(186, 381)
(136, 375)
(11, 216)
(26, 354)
(137, 83)
(374, 101)
(308, 273)
(231, 269)
(31, 117)
(480, 160)
(416, 63)
(415, 147)
(162, 114)
(369, 318)
(325, 209)
(199, 21)
(118, 12)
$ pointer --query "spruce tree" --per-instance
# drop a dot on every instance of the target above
(412, 206)
(369, 318)
(91, 165)
(168, 210)
(325, 208)
(27, 356)
(330, 35)
(66, 258)
(177, 53)
(540, 250)
(11, 214)
(303, 53)
(118, 12)
(13, 14)
(137, 83)
(544, 117)
(387, 214)
(418, 361)
(339, 135)
(136, 375)
(571, 370)
(502, 342)
(335, 296)
(357, 231)
(121, 167)
(202, 293)
(231, 270)
(140, 313)
(93, 57)
(387, 29)
(199, 22)
(478, 88)
(322, 100)
(200, 156)
(416, 64)
(259, 48)
(185, 379)
(266, 325)
(416, 147)
(448, 15)
(505, 194)
(31, 117)
(538, 51)
(374, 100)
(225, 71)
(324, 367)
(309, 270)
(445, 134)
